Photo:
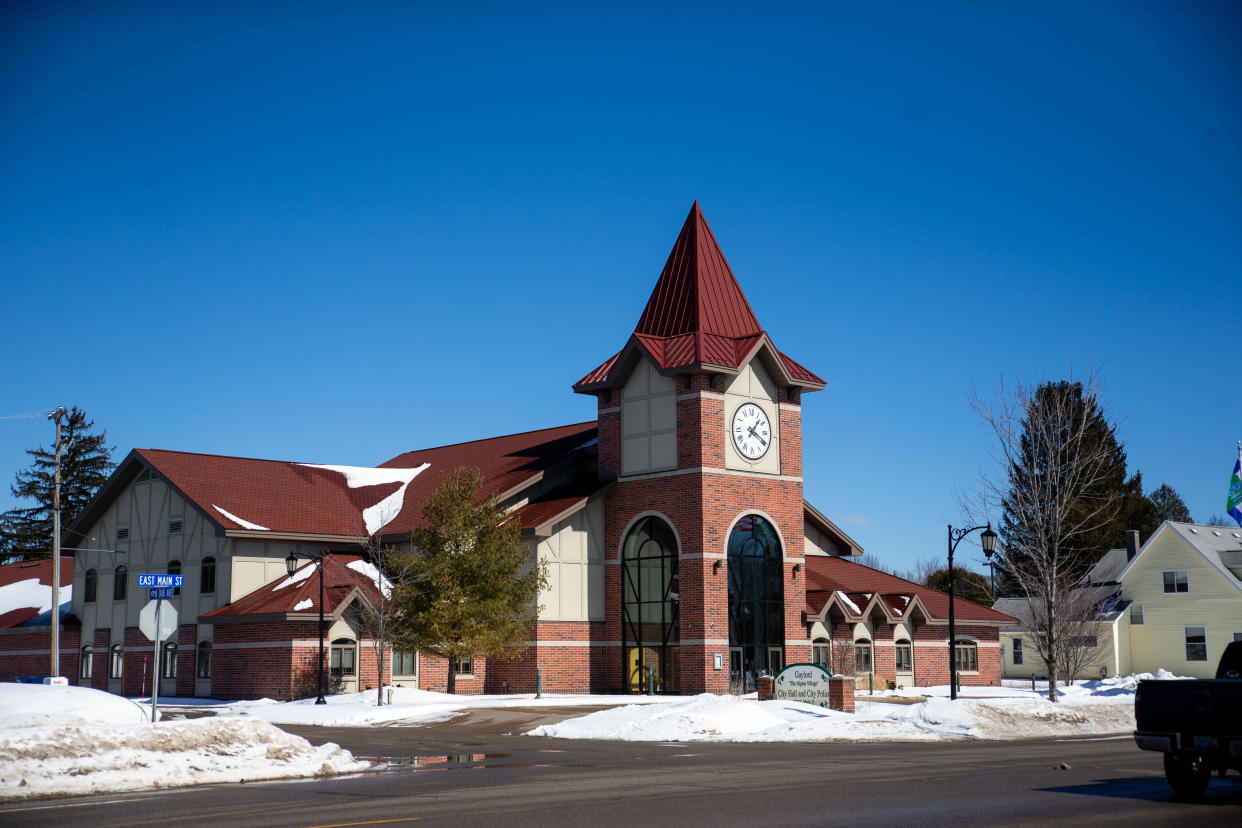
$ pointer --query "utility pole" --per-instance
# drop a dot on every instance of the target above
(55, 619)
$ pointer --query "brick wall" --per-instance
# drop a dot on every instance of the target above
(28, 652)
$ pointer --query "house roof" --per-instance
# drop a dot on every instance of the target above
(248, 496)
(1217, 544)
(1107, 568)
(26, 593)
(298, 594)
(698, 318)
(857, 589)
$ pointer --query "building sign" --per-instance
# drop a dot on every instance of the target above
(807, 683)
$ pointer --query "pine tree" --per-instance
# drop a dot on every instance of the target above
(470, 587)
(85, 463)
(1169, 504)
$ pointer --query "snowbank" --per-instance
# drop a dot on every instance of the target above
(33, 705)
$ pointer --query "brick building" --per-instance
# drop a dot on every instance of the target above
(680, 550)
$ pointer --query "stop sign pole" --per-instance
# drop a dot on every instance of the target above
(160, 588)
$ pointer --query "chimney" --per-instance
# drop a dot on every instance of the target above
(1132, 543)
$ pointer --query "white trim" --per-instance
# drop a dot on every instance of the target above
(710, 470)
(703, 555)
(696, 395)
(789, 406)
(704, 642)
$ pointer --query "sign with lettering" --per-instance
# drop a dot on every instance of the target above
(807, 683)
(155, 593)
(160, 580)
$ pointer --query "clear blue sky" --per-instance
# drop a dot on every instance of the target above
(327, 233)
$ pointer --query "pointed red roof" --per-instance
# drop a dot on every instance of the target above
(697, 317)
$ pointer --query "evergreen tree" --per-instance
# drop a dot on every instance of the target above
(470, 587)
(1169, 505)
(85, 463)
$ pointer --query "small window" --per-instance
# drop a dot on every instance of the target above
(86, 663)
(1196, 644)
(91, 586)
(462, 666)
(174, 568)
(342, 661)
(903, 655)
(862, 656)
(1017, 651)
(175, 525)
(1136, 614)
(116, 664)
(168, 664)
(145, 476)
(122, 533)
(1176, 581)
(1237, 636)
(207, 578)
(403, 663)
(120, 583)
(821, 652)
(204, 659)
(966, 654)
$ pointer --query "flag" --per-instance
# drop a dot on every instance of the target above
(1234, 502)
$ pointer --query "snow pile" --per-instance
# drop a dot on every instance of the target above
(35, 705)
(30, 593)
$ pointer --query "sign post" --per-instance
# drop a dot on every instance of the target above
(158, 620)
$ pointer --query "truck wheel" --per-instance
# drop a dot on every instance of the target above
(1188, 775)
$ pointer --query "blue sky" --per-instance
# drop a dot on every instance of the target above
(342, 233)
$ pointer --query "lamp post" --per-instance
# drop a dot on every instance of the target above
(988, 553)
(989, 546)
(291, 565)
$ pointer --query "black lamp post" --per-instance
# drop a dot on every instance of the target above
(989, 546)
(291, 565)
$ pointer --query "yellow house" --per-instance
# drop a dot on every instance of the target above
(1173, 604)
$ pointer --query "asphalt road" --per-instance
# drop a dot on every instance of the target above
(475, 771)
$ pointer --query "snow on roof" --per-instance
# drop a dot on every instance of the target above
(371, 572)
(297, 577)
(356, 477)
(245, 524)
(26, 592)
(845, 599)
(305, 603)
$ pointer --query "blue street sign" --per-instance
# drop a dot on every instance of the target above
(160, 592)
(160, 580)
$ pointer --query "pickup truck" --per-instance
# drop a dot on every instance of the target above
(1195, 723)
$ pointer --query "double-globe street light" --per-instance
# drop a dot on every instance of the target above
(988, 538)
(291, 565)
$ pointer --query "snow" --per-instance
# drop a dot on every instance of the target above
(378, 516)
(846, 600)
(30, 594)
(59, 740)
(245, 524)
(297, 577)
(305, 603)
(371, 572)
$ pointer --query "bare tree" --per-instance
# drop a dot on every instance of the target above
(1050, 479)
(378, 607)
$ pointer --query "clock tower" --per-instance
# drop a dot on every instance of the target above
(700, 427)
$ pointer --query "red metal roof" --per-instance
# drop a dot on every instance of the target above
(17, 602)
(299, 593)
(860, 583)
(697, 316)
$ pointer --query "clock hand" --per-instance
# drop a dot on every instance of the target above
(756, 436)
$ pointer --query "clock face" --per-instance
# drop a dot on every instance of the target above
(752, 431)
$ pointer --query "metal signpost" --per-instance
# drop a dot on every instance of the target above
(158, 620)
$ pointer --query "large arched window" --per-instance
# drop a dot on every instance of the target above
(649, 602)
(756, 601)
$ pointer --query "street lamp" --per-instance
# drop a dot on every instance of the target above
(989, 546)
(291, 565)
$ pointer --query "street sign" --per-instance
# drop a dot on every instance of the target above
(152, 580)
(158, 620)
(155, 593)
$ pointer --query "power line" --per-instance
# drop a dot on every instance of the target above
(33, 415)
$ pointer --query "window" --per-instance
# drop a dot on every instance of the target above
(1017, 651)
(1136, 614)
(1237, 636)
(1176, 581)
(116, 663)
(175, 525)
(403, 663)
(1196, 644)
(650, 599)
(862, 656)
(86, 666)
(122, 532)
(168, 663)
(903, 655)
(204, 659)
(757, 576)
(462, 666)
(966, 655)
(119, 583)
(207, 578)
(91, 586)
(342, 661)
(174, 568)
(1084, 642)
(821, 652)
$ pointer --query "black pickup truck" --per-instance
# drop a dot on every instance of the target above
(1195, 723)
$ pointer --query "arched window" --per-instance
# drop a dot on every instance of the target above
(207, 577)
(343, 658)
(756, 600)
(903, 655)
(120, 583)
(174, 568)
(649, 606)
(966, 654)
(116, 664)
(86, 665)
(204, 659)
(821, 652)
(168, 664)
(862, 656)
(91, 586)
